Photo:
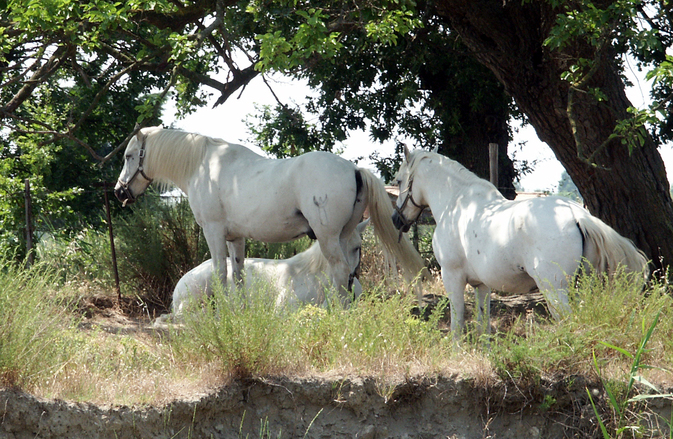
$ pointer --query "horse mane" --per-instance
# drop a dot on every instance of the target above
(464, 178)
(311, 261)
(177, 154)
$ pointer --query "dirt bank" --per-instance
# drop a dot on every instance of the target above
(323, 408)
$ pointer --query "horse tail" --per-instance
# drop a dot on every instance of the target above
(380, 212)
(605, 249)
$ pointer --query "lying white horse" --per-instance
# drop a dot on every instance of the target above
(237, 194)
(489, 242)
(300, 279)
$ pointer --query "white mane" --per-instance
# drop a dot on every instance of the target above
(175, 154)
(463, 179)
(311, 261)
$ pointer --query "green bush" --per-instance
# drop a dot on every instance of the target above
(156, 245)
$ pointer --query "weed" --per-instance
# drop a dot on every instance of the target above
(618, 392)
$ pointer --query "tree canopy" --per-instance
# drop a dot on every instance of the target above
(75, 76)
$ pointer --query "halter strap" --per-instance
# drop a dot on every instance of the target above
(409, 197)
(141, 158)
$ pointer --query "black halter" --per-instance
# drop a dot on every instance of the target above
(409, 198)
(125, 185)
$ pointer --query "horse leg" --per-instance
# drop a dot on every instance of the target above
(237, 256)
(454, 284)
(553, 284)
(333, 252)
(556, 298)
(214, 234)
(482, 294)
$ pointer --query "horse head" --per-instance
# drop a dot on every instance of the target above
(406, 207)
(354, 253)
(129, 187)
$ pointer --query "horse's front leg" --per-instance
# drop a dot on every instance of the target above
(552, 282)
(237, 256)
(482, 295)
(214, 233)
(454, 284)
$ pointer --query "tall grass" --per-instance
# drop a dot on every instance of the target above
(36, 334)
(248, 336)
(604, 312)
(41, 345)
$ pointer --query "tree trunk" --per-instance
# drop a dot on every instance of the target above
(629, 191)
(471, 150)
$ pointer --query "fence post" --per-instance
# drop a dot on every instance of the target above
(493, 163)
(112, 243)
(29, 225)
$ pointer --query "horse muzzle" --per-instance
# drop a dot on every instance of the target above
(400, 222)
(123, 194)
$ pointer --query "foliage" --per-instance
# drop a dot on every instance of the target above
(100, 67)
(248, 336)
(237, 335)
(605, 313)
(83, 258)
(420, 86)
(568, 189)
(156, 245)
(640, 29)
(619, 395)
(36, 336)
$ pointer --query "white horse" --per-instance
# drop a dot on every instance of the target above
(489, 242)
(237, 194)
(300, 279)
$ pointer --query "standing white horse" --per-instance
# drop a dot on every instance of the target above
(301, 279)
(237, 194)
(489, 242)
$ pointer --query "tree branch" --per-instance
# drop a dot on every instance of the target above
(47, 69)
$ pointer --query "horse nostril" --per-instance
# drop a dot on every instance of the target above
(397, 220)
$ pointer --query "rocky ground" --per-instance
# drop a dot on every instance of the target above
(330, 407)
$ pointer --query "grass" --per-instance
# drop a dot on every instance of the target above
(49, 348)
(37, 336)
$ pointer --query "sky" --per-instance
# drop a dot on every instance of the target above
(227, 122)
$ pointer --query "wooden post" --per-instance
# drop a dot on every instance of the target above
(112, 243)
(493, 163)
(29, 226)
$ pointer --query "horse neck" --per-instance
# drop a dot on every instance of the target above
(451, 184)
(309, 262)
(173, 156)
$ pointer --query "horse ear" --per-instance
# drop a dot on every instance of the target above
(406, 153)
(362, 226)
(436, 148)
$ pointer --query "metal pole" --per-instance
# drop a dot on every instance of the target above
(112, 245)
(493, 163)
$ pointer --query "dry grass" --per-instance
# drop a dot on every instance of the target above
(108, 356)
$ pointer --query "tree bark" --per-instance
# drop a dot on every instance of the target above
(629, 191)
